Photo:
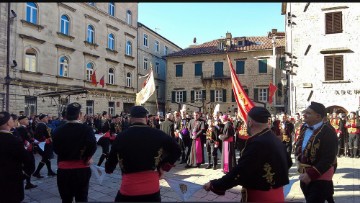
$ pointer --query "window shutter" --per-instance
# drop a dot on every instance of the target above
(337, 20)
(328, 23)
(192, 99)
(224, 95)
(256, 94)
(329, 68)
(240, 67)
(184, 96)
(172, 96)
(279, 90)
(204, 94)
(212, 95)
(338, 68)
(232, 97)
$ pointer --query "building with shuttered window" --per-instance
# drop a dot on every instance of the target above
(199, 76)
(322, 55)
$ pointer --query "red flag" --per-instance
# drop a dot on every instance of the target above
(242, 99)
(93, 78)
(102, 81)
(272, 90)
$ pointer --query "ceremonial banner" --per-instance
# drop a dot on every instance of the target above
(93, 78)
(42, 146)
(98, 136)
(272, 90)
(99, 172)
(147, 90)
(102, 81)
(184, 189)
(242, 100)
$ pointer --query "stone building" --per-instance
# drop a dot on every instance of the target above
(152, 47)
(58, 46)
(322, 55)
(199, 76)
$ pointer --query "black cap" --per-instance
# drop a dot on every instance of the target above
(318, 108)
(41, 116)
(73, 109)
(138, 112)
(4, 117)
(259, 114)
(22, 117)
(116, 116)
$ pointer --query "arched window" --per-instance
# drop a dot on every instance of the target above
(128, 49)
(91, 34)
(111, 42)
(112, 8)
(65, 23)
(128, 80)
(128, 17)
(30, 60)
(64, 66)
(31, 12)
(89, 70)
(111, 76)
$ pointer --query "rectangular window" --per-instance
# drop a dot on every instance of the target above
(218, 72)
(240, 67)
(30, 62)
(263, 94)
(334, 67)
(198, 95)
(157, 46)
(333, 23)
(30, 105)
(179, 96)
(263, 66)
(179, 70)
(218, 95)
(166, 49)
(89, 107)
(145, 63)
(157, 68)
(112, 108)
(146, 40)
(198, 69)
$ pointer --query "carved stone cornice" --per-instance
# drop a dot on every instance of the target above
(91, 55)
(91, 18)
(32, 38)
(59, 46)
(112, 27)
(67, 7)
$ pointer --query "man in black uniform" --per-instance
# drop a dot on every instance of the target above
(104, 141)
(14, 159)
(43, 134)
(140, 180)
(27, 139)
(75, 144)
(263, 167)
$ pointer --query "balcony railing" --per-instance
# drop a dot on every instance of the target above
(207, 75)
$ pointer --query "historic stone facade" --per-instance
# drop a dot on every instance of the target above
(58, 46)
(323, 45)
(199, 76)
(152, 47)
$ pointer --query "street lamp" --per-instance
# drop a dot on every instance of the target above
(284, 82)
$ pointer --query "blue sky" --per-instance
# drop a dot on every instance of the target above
(181, 22)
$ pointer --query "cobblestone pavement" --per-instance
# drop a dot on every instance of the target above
(346, 183)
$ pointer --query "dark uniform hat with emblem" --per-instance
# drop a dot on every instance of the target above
(73, 109)
(259, 114)
(4, 117)
(318, 108)
(41, 116)
(138, 112)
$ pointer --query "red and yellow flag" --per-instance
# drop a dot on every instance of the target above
(242, 100)
(272, 90)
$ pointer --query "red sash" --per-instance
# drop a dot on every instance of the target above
(72, 164)
(141, 183)
(272, 195)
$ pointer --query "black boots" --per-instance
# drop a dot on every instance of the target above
(37, 172)
(209, 165)
(215, 162)
(50, 172)
(102, 158)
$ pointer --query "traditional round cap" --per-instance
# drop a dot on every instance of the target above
(73, 109)
(259, 114)
(318, 108)
(22, 117)
(4, 117)
(41, 116)
(138, 112)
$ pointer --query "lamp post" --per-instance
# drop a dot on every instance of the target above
(284, 82)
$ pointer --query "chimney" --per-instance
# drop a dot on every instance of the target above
(228, 39)
(273, 31)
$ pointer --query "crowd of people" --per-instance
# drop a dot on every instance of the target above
(194, 137)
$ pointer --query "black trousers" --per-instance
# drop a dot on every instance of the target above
(186, 141)
(156, 197)
(73, 183)
(317, 191)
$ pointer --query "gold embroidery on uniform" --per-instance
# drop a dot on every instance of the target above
(313, 151)
(268, 175)
(159, 157)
